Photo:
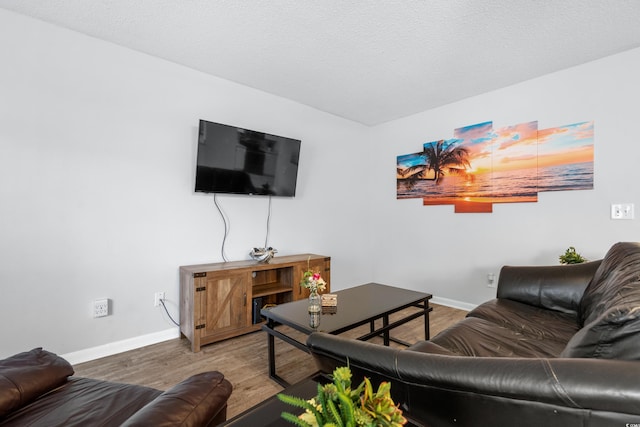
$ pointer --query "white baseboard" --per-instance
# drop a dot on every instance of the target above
(110, 349)
(453, 303)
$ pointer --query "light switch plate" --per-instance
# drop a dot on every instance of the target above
(622, 211)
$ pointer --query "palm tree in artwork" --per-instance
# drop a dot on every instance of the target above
(445, 158)
(411, 175)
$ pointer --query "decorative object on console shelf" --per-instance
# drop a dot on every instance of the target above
(337, 404)
(571, 257)
(263, 254)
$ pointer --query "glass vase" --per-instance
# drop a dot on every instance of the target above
(314, 320)
(314, 302)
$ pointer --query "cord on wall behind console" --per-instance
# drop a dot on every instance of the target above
(266, 237)
(226, 227)
(227, 224)
(167, 311)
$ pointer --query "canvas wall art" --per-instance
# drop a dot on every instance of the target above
(481, 165)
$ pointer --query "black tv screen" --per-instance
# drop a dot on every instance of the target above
(241, 161)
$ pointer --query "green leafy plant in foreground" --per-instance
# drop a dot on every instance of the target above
(337, 404)
(571, 257)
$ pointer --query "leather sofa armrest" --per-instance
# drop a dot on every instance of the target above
(200, 400)
(555, 287)
(26, 376)
(443, 390)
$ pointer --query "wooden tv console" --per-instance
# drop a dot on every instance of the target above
(223, 300)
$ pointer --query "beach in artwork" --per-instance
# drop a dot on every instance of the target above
(502, 187)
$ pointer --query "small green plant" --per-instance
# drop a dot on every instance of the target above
(336, 404)
(571, 257)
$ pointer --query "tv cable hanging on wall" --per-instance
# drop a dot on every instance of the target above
(263, 254)
(226, 227)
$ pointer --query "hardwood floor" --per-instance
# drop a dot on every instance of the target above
(243, 361)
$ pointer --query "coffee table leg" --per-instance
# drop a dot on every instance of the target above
(427, 309)
(385, 323)
(272, 333)
(271, 348)
(272, 355)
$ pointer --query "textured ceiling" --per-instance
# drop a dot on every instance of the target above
(365, 60)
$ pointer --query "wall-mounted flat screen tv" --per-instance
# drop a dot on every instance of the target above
(234, 160)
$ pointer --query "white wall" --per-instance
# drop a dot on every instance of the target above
(97, 158)
(430, 248)
(97, 161)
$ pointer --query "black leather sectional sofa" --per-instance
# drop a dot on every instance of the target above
(559, 346)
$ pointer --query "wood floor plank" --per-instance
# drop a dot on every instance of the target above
(243, 360)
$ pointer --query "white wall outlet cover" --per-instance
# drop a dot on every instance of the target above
(101, 308)
(622, 211)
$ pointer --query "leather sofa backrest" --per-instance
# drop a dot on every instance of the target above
(26, 376)
(613, 335)
(616, 282)
(554, 287)
(610, 308)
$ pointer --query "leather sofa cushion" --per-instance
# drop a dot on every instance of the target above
(613, 335)
(25, 376)
(528, 319)
(188, 403)
(615, 283)
(477, 337)
(430, 347)
(83, 402)
(505, 328)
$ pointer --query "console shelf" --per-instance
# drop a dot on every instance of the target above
(223, 300)
(265, 290)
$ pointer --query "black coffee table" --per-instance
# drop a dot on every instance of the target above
(268, 412)
(356, 306)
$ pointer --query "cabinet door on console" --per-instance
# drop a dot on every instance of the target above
(224, 306)
(317, 265)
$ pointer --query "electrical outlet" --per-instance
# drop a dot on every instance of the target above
(622, 211)
(491, 280)
(100, 308)
(158, 296)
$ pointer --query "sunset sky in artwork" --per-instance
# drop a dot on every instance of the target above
(515, 147)
(523, 146)
(567, 144)
(477, 139)
(518, 147)
(507, 148)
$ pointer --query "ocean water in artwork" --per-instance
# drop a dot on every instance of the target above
(575, 176)
(504, 186)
